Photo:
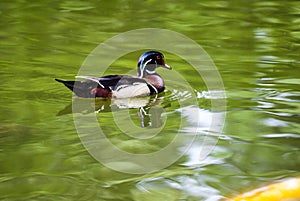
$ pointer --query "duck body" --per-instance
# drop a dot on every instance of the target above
(147, 81)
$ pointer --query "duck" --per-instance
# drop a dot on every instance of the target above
(146, 83)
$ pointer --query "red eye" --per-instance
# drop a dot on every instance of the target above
(158, 57)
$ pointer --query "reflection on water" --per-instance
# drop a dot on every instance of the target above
(148, 109)
(115, 131)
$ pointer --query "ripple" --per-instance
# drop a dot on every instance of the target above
(281, 135)
(286, 96)
(179, 95)
(274, 122)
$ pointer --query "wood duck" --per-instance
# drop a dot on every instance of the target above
(146, 82)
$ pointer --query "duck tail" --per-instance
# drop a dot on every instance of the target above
(79, 88)
(69, 84)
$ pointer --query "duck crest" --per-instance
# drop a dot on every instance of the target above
(146, 83)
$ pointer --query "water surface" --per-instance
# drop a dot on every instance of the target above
(254, 44)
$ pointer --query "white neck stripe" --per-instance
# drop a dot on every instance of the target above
(150, 71)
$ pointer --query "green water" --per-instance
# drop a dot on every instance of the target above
(255, 46)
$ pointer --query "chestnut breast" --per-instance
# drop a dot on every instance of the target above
(156, 81)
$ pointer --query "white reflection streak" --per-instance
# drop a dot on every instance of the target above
(200, 124)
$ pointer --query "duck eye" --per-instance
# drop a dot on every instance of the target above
(158, 57)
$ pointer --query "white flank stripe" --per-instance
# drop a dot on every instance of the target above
(153, 87)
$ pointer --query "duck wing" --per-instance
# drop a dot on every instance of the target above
(107, 86)
(124, 86)
(83, 88)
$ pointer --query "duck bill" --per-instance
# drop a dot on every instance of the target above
(167, 66)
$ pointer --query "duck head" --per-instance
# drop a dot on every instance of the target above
(149, 61)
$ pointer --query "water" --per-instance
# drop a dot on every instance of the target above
(254, 44)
